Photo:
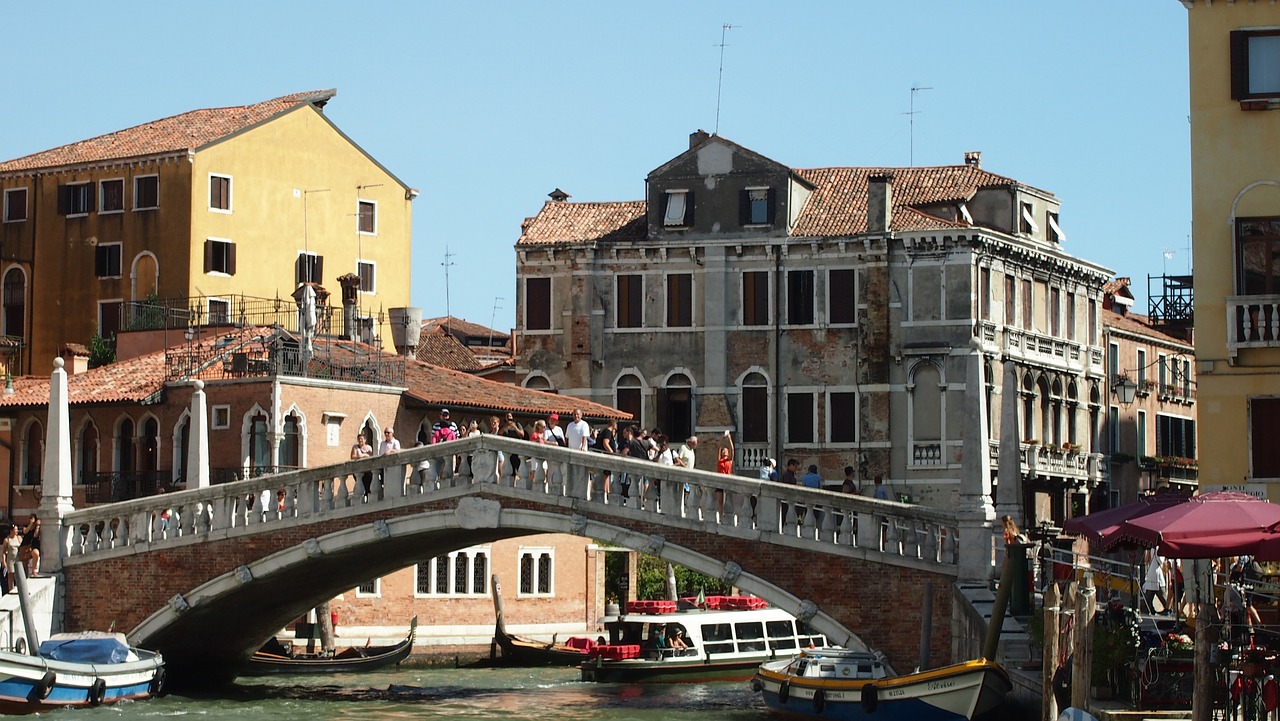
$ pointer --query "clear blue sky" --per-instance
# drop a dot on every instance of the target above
(488, 106)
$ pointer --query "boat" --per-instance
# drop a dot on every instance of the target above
(78, 669)
(835, 683)
(520, 651)
(278, 658)
(726, 639)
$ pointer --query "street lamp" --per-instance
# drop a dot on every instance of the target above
(1125, 390)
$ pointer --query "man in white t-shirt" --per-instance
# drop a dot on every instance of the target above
(578, 431)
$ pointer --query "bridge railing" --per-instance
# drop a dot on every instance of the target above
(606, 482)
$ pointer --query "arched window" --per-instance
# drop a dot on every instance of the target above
(755, 409)
(150, 456)
(1055, 412)
(1073, 407)
(538, 383)
(290, 446)
(259, 446)
(126, 460)
(1046, 411)
(1028, 410)
(183, 447)
(87, 459)
(926, 403)
(675, 406)
(15, 303)
(628, 397)
(988, 392)
(33, 454)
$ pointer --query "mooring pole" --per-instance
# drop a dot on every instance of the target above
(1049, 661)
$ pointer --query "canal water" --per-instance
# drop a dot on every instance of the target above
(472, 694)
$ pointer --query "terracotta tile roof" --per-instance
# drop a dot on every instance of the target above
(837, 207)
(437, 347)
(463, 327)
(183, 132)
(1140, 325)
(438, 386)
(1119, 285)
(130, 381)
(566, 222)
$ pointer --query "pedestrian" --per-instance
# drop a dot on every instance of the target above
(554, 434)
(1155, 583)
(578, 433)
(511, 429)
(360, 451)
(607, 442)
(443, 431)
(789, 475)
(812, 479)
(850, 485)
(687, 455)
(29, 552)
(880, 491)
(12, 542)
(724, 464)
(769, 470)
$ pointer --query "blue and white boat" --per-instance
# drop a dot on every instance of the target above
(78, 669)
(835, 683)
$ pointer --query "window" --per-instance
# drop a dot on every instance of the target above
(535, 572)
(1142, 370)
(1264, 428)
(368, 212)
(800, 297)
(1027, 219)
(984, 293)
(750, 636)
(15, 205)
(1055, 312)
(628, 397)
(1141, 426)
(1113, 363)
(15, 303)
(755, 297)
(367, 271)
(219, 256)
(1026, 305)
(461, 573)
(220, 417)
(757, 206)
(800, 418)
(1055, 231)
(1113, 428)
(309, 268)
(1162, 372)
(109, 315)
(1093, 322)
(842, 408)
(220, 193)
(630, 301)
(291, 444)
(75, 199)
(259, 445)
(755, 409)
(1186, 377)
(219, 311)
(1071, 316)
(1010, 300)
(678, 212)
(106, 260)
(112, 192)
(1255, 64)
(1175, 436)
(680, 300)
(369, 589)
(537, 304)
(842, 298)
(146, 192)
(87, 458)
(1258, 256)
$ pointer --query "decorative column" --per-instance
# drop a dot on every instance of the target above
(975, 512)
(56, 501)
(198, 440)
(1009, 491)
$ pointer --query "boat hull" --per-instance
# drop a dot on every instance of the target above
(951, 693)
(668, 671)
(24, 680)
(350, 661)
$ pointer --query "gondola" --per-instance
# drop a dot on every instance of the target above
(275, 658)
(519, 651)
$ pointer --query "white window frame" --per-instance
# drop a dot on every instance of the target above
(120, 248)
(84, 184)
(471, 553)
(138, 178)
(377, 589)
(26, 203)
(224, 241)
(676, 222)
(106, 301)
(102, 196)
(220, 417)
(1028, 212)
(536, 552)
(209, 309)
(813, 392)
(373, 272)
(231, 189)
(751, 205)
(374, 203)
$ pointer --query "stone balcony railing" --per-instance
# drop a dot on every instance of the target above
(1041, 348)
(1253, 321)
(567, 481)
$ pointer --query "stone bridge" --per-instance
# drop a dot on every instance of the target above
(206, 575)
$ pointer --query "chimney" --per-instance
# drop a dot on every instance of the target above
(879, 202)
(350, 289)
(974, 158)
(559, 195)
(406, 329)
(76, 358)
(697, 137)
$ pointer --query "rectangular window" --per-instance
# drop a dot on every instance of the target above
(630, 301)
(677, 211)
(800, 297)
(1055, 312)
(1258, 256)
(800, 418)
(1010, 300)
(308, 268)
(1055, 230)
(1027, 219)
(219, 311)
(1264, 428)
(219, 256)
(843, 423)
(220, 417)
(75, 199)
(461, 573)
(367, 271)
(757, 206)
(628, 400)
(1113, 363)
(368, 212)
(146, 192)
(1142, 370)
(1141, 427)
(680, 300)
(1255, 64)
(106, 260)
(1162, 373)
(842, 299)
(15, 205)
(536, 572)
(369, 589)
(112, 193)
(755, 297)
(1071, 316)
(1026, 305)
(984, 293)
(1093, 322)
(537, 303)
(1175, 437)
(1186, 377)
(755, 414)
(220, 193)
(1113, 428)
(110, 314)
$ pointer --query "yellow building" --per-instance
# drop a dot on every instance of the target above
(198, 219)
(1235, 84)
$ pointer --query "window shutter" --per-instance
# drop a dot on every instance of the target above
(744, 208)
(208, 256)
(688, 209)
(319, 269)
(90, 193)
(64, 200)
(231, 258)
(1239, 64)
(773, 199)
(99, 261)
(299, 269)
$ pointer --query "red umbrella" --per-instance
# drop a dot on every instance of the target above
(1101, 527)
(1222, 523)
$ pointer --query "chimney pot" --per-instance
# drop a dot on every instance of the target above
(697, 137)
(974, 158)
(559, 195)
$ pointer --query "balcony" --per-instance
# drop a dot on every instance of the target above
(283, 356)
(1253, 321)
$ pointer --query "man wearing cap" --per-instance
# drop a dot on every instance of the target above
(444, 430)
(554, 433)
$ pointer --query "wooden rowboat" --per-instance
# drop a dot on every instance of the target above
(275, 658)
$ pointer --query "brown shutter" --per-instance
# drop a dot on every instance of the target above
(688, 209)
(64, 200)
(231, 258)
(208, 256)
(1239, 64)
(318, 276)
(90, 194)
(772, 202)
(744, 208)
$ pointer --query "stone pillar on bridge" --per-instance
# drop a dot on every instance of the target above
(975, 514)
(198, 439)
(55, 499)
(1009, 488)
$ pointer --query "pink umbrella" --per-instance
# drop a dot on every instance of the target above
(1101, 527)
(1222, 523)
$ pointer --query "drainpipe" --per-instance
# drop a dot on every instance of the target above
(777, 354)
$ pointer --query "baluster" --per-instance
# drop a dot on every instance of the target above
(845, 536)
(711, 498)
(827, 527)
(808, 525)
(745, 511)
(789, 520)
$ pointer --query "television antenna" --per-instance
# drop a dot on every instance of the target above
(911, 115)
(448, 262)
(493, 318)
(724, 29)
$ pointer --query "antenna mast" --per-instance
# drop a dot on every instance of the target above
(447, 263)
(493, 319)
(724, 29)
(912, 120)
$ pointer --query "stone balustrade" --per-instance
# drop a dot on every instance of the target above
(636, 489)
